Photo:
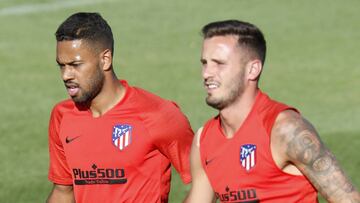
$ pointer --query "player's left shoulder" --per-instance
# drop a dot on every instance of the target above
(286, 122)
(171, 106)
(169, 112)
(291, 131)
(290, 126)
(151, 101)
(289, 122)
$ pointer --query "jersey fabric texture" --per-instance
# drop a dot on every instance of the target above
(241, 169)
(124, 155)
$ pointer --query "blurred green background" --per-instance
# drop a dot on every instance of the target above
(312, 64)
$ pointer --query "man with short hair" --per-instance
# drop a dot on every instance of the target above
(256, 149)
(110, 142)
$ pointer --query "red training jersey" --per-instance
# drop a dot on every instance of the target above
(241, 169)
(124, 155)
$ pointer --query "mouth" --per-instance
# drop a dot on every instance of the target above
(72, 88)
(211, 85)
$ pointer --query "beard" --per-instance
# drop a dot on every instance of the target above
(96, 84)
(233, 92)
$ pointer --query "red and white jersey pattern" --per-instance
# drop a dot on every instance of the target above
(247, 156)
(122, 136)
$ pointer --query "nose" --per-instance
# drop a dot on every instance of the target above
(207, 71)
(67, 73)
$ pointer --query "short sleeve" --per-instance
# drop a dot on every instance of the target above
(59, 171)
(174, 137)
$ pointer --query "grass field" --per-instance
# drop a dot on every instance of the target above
(312, 64)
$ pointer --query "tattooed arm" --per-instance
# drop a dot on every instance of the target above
(296, 147)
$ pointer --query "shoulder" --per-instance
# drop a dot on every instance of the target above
(158, 114)
(204, 131)
(61, 108)
(168, 125)
(148, 102)
(146, 97)
(169, 114)
(270, 109)
(295, 137)
(290, 123)
(57, 114)
(153, 105)
(64, 105)
(287, 125)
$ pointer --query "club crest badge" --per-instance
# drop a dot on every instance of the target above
(248, 156)
(121, 136)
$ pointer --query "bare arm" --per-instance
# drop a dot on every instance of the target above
(61, 194)
(201, 190)
(302, 147)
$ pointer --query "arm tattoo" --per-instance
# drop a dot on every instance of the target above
(305, 149)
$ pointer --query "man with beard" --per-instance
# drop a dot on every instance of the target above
(256, 149)
(110, 142)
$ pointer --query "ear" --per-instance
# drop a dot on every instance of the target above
(254, 69)
(106, 59)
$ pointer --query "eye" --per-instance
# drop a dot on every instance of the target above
(61, 66)
(218, 62)
(203, 61)
(76, 65)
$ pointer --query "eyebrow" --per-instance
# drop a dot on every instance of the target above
(218, 61)
(69, 63)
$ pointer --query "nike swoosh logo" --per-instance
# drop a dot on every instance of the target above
(68, 139)
(208, 161)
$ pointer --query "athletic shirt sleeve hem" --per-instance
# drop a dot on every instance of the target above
(60, 181)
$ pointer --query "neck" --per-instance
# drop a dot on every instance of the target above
(234, 115)
(111, 94)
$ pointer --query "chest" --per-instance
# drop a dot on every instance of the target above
(239, 162)
(110, 142)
